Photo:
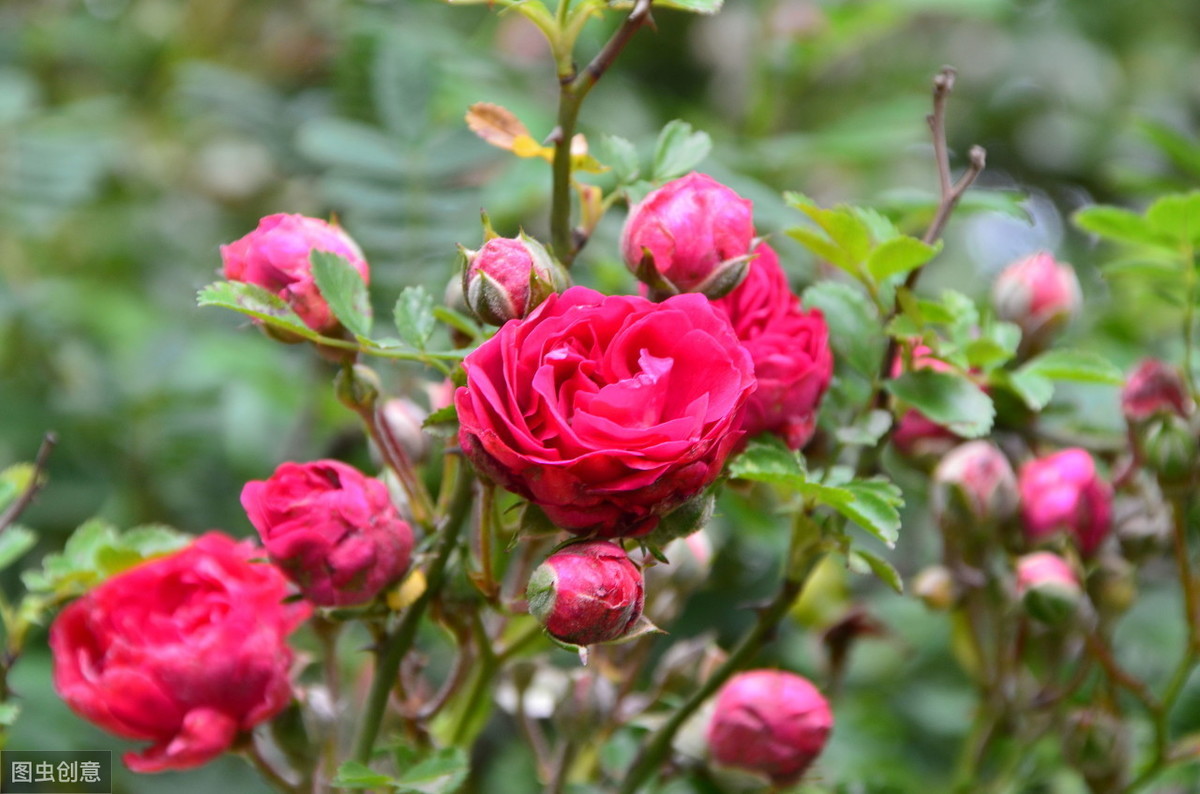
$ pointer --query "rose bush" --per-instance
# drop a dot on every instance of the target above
(606, 411)
(185, 651)
(275, 256)
(330, 528)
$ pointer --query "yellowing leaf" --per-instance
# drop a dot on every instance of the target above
(408, 591)
(497, 125)
(526, 146)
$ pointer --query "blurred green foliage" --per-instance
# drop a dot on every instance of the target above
(137, 136)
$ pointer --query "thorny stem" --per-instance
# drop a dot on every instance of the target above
(574, 87)
(396, 645)
(35, 482)
(803, 555)
(951, 192)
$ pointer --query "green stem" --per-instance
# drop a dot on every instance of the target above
(251, 753)
(574, 87)
(397, 644)
(802, 558)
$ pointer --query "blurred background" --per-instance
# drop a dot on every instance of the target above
(137, 136)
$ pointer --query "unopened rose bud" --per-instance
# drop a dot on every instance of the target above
(1040, 295)
(1064, 493)
(1154, 388)
(1048, 587)
(693, 234)
(275, 256)
(1112, 586)
(509, 277)
(404, 419)
(1168, 448)
(974, 484)
(1096, 744)
(587, 593)
(1142, 523)
(770, 722)
(936, 588)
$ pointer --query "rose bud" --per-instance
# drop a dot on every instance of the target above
(936, 588)
(275, 256)
(331, 529)
(693, 234)
(1048, 587)
(974, 484)
(1154, 388)
(769, 722)
(1040, 295)
(508, 278)
(587, 593)
(790, 347)
(186, 651)
(1168, 448)
(1063, 493)
(1112, 586)
(405, 421)
(607, 412)
(1097, 744)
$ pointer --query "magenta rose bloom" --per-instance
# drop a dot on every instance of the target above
(275, 256)
(771, 722)
(606, 411)
(185, 651)
(693, 228)
(1063, 492)
(587, 593)
(330, 528)
(790, 349)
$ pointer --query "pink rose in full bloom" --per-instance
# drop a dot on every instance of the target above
(587, 593)
(330, 528)
(185, 651)
(790, 348)
(1063, 492)
(1038, 293)
(275, 256)
(508, 278)
(771, 722)
(606, 411)
(1154, 388)
(697, 231)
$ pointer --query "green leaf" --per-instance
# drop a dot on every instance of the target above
(678, 150)
(987, 354)
(414, 316)
(767, 459)
(9, 713)
(947, 398)
(863, 561)
(874, 507)
(868, 431)
(621, 156)
(1177, 217)
(1074, 365)
(254, 301)
(1118, 224)
(1183, 151)
(444, 772)
(15, 542)
(343, 288)
(849, 234)
(352, 774)
(457, 320)
(899, 255)
(1033, 389)
(853, 322)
